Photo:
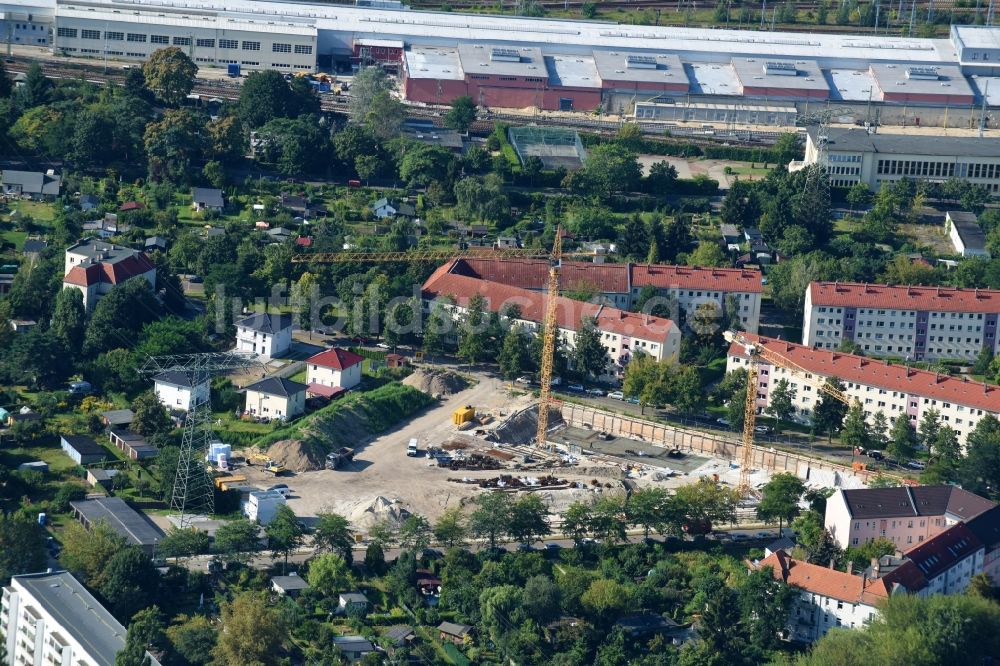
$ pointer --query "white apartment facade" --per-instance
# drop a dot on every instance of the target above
(50, 619)
(877, 385)
(266, 335)
(919, 323)
(175, 391)
(276, 397)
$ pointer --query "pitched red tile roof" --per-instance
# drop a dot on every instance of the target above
(304, 241)
(608, 278)
(132, 205)
(569, 313)
(534, 274)
(837, 584)
(940, 299)
(324, 391)
(871, 372)
(336, 358)
(665, 276)
(116, 273)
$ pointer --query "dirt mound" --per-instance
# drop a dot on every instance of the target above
(521, 427)
(295, 455)
(380, 510)
(436, 382)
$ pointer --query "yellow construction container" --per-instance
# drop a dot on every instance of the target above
(220, 481)
(463, 415)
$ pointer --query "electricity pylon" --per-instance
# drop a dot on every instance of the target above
(193, 493)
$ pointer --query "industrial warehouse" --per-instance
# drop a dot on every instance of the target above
(655, 73)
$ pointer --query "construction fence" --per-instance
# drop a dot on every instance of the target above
(697, 442)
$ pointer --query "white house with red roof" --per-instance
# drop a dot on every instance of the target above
(893, 389)
(95, 267)
(685, 287)
(333, 369)
(623, 333)
(920, 323)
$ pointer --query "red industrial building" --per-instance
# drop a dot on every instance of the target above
(766, 77)
(913, 84)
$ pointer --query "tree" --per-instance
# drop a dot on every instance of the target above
(129, 581)
(169, 73)
(529, 519)
(252, 633)
(385, 115)
(702, 504)
(368, 82)
(879, 430)
(765, 603)
(859, 196)
(461, 114)
(87, 553)
(6, 85)
(183, 543)
(815, 539)
(450, 530)
(422, 164)
(333, 533)
(830, 412)
(577, 520)
(633, 241)
(293, 145)
(780, 499)
(145, 632)
(151, 417)
(862, 555)
(69, 320)
(284, 533)
(21, 547)
(491, 519)
(515, 356)
(173, 145)
(265, 95)
(609, 170)
(606, 600)
(855, 432)
(237, 540)
(662, 176)
(474, 331)
(590, 356)
(686, 390)
(329, 574)
(193, 638)
(782, 403)
(541, 599)
(708, 254)
(902, 439)
(415, 533)
(930, 426)
(36, 89)
(37, 359)
(649, 508)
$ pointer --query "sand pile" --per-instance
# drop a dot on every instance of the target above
(295, 456)
(436, 382)
(380, 510)
(521, 427)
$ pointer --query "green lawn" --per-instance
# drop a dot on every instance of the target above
(40, 211)
(58, 461)
(299, 376)
(15, 238)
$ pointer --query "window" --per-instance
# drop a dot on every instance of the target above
(281, 48)
(90, 34)
(133, 37)
(228, 44)
(205, 43)
(159, 39)
(182, 41)
(251, 46)
(303, 50)
(66, 32)
(114, 36)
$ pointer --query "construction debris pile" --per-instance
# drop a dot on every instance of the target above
(436, 382)
(508, 481)
(520, 427)
(380, 510)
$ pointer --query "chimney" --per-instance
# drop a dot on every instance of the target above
(850, 567)
(876, 567)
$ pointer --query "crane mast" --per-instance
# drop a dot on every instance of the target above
(549, 333)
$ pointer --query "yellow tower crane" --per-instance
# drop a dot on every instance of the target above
(549, 324)
(756, 354)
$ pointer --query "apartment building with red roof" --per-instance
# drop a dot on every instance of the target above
(920, 323)
(891, 388)
(95, 268)
(685, 287)
(622, 333)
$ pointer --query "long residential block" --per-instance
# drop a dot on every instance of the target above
(880, 386)
(919, 323)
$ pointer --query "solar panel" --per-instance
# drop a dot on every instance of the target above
(780, 68)
(640, 62)
(924, 73)
(505, 55)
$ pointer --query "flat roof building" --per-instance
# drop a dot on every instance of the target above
(965, 234)
(775, 77)
(122, 518)
(65, 623)
(649, 71)
(927, 84)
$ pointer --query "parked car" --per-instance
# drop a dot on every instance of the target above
(360, 339)
(632, 400)
(762, 429)
(596, 392)
(916, 464)
(524, 379)
(723, 422)
(876, 455)
(382, 345)
(617, 395)
(552, 548)
(576, 388)
(281, 488)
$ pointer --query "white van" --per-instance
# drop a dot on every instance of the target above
(411, 448)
